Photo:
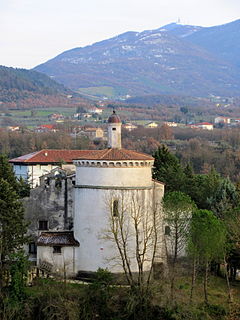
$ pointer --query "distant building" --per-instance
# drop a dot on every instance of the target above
(55, 116)
(13, 128)
(224, 120)
(171, 124)
(129, 126)
(92, 133)
(95, 110)
(79, 116)
(34, 165)
(202, 125)
(46, 128)
(151, 125)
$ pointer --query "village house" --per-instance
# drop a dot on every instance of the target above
(151, 125)
(55, 117)
(79, 116)
(92, 133)
(202, 125)
(46, 128)
(34, 165)
(129, 126)
(13, 128)
(171, 124)
(95, 110)
(223, 120)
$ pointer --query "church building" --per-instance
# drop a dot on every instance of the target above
(111, 186)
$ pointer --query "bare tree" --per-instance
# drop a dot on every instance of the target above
(135, 229)
(178, 208)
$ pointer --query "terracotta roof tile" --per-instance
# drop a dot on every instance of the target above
(114, 154)
(60, 238)
(67, 156)
(50, 156)
(114, 118)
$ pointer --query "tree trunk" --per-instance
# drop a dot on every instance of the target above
(205, 283)
(174, 264)
(230, 299)
(193, 278)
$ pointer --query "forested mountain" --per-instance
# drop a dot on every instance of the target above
(172, 59)
(222, 41)
(28, 87)
(22, 79)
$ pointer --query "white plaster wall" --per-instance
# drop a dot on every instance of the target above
(114, 135)
(36, 171)
(33, 172)
(61, 262)
(122, 177)
(91, 225)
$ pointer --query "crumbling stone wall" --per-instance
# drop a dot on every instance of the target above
(52, 201)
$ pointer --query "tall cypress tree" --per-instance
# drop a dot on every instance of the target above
(6, 172)
(13, 227)
(167, 169)
(21, 187)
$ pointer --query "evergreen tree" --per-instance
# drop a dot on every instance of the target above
(12, 225)
(168, 170)
(224, 198)
(6, 172)
(21, 187)
(207, 242)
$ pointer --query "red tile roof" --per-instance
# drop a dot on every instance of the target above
(47, 126)
(67, 156)
(203, 123)
(49, 156)
(114, 154)
(59, 238)
(114, 118)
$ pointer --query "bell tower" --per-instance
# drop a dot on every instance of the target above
(114, 131)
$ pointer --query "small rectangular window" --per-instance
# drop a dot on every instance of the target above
(43, 225)
(115, 208)
(57, 249)
(167, 231)
(114, 129)
(32, 248)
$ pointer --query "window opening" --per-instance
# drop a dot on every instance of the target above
(167, 231)
(115, 208)
(32, 248)
(57, 249)
(43, 225)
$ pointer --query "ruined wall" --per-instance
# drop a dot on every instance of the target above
(52, 202)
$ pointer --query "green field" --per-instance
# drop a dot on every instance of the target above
(101, 91)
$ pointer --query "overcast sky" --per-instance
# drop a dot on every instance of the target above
(34, 31)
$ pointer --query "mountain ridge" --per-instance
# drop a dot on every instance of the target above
(155, 61)
(27, 88)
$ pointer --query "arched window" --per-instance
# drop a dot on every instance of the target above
(167, 231)
(115, 208)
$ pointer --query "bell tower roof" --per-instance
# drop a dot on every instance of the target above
(114, 118)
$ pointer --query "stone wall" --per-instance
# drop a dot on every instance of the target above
(50, 204)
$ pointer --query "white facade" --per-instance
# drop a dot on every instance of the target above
(111, 185)
(220, 119)
(114, 135)
(31, 173)
(96, 188)
(62, 263)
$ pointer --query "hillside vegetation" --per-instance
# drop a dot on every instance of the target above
(21, 88)
(173, 59)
